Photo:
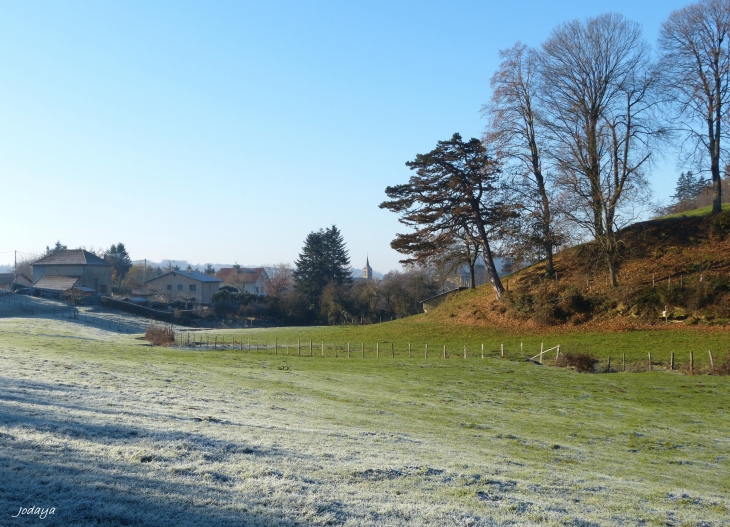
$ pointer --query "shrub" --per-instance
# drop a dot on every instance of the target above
(724, 367)
(160, 336)
(582, 362)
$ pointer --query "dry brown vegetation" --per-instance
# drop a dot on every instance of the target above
(673, 271)
(160, 335)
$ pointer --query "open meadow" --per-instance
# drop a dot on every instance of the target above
(112, 431)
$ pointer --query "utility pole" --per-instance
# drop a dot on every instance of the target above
(15, 266)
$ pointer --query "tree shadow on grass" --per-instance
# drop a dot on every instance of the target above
(51, 458)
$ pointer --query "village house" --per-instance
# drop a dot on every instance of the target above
(252, 280)
(72, 269)
(189, 286)
(9, 282)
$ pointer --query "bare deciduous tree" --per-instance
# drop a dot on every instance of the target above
(599, 91)
(696, 61)
(516, 133)
(281, 279)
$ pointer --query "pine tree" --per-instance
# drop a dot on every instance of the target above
(118, 256)
(324, 260)
(689, 187)
(55, 249)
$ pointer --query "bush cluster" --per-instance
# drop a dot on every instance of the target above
(582, 362)
(160, 335)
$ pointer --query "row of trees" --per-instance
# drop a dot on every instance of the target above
(574, 128)
(321, 289)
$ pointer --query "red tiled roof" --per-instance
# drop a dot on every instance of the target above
(246, 275)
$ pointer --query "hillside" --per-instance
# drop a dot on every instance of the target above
(681, 264)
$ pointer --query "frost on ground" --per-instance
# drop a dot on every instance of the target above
(123, 438)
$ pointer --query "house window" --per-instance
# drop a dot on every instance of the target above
(169, 287)
(193, 287)
(179, 287)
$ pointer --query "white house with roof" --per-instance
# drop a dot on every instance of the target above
(190, 286)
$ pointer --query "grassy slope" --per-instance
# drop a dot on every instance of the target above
(681, 264)
(702, 211)
(283, 440)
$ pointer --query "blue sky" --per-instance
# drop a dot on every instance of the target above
(227, 131)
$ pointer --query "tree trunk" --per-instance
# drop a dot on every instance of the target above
(472, 279)
(716, 188)
(488, 259)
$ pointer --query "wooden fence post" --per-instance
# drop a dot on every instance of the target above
(362, 349)
(377, 350)
(215, 344)
(464, 351)
(482, 349)
(276, 346)
(608, 368)
(501, 349)
(691, 362)
(650, 368)
(444, 351)
(310, 347)
(348, 350)
(624, 361)
(426, 355)
(409, 350)
(712, 363)
(335, 346)
(671, 362)
(299, 347)
(557, 354)
(323, 348)
(392, 350)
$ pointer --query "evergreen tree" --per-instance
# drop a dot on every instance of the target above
(689, 187)
(118, 256)
(209, 269)
(55, 249)
(324, 260)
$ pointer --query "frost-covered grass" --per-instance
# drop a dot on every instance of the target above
(110, 431)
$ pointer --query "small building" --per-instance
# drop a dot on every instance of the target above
(74, 268)
(10, 282)
(252, 280)
(189, 286)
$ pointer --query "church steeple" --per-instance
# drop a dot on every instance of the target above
(367, 271)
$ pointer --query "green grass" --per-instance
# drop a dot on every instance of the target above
(702, 211)
(390, 441)
(419, 331)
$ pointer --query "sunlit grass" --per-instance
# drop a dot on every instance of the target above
(702, 211)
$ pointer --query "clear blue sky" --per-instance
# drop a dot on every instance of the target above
(222, 132)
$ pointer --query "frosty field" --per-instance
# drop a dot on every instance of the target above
(110, 431)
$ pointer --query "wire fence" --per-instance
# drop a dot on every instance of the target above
(552, 356)
(13, 304)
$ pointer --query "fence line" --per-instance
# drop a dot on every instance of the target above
(344, 350)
